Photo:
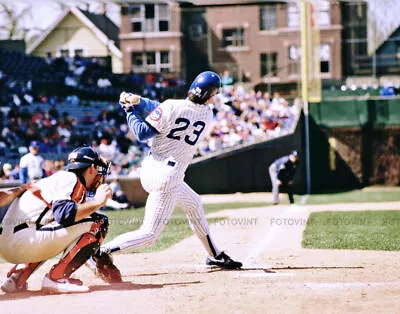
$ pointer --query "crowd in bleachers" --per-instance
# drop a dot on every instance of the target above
(245, 117)
(62, 122)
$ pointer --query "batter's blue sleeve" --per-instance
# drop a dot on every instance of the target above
(142, 130)
(145, 106)
(23, 175)
(64, 212)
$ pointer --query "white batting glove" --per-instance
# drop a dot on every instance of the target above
(127, 100)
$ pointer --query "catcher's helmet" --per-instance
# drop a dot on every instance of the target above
(84, 157)
(204, 86)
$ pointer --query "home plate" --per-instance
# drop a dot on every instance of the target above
(261, 275)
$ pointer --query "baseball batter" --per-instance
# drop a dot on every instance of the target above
(175, 127)
(53, 216)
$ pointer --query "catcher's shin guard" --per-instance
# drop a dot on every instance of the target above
(75, 257)
(100, 226)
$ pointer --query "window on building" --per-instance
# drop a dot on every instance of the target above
(149, 17)
(324, 14)
(293, 14)
(268, 17)
(163, 17)
(151, 61)
(233, 37)
(325, 55)
(78, 52)
(294, 59)
(136, 16)
(138, 62)
(268, 64)
(64, 53)
(165, 65)
(149, 10)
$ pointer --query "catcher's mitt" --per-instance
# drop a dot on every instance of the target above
(105, 268)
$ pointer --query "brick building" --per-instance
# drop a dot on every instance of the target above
(257, 41)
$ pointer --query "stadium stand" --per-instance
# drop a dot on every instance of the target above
(66, 102)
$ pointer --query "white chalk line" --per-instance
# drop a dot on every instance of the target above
(262, 275)
(304, 199)
(272, 233)
(265, 241)
(332, 285)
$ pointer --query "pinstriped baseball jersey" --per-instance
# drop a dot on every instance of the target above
(181, 125)
(28, 208)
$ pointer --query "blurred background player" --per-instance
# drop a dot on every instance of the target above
(175, 127)
(281, 173)
(53, 216)
(118, 196)
(32, 164)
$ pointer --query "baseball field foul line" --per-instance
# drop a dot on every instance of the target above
(267, 239)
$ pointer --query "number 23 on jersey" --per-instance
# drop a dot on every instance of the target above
(182, 125)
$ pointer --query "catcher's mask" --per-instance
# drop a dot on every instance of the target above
(84, 157)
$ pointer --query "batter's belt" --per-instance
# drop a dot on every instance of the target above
(169, 162)
(17, 228)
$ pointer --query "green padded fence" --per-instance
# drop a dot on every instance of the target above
(356, 112)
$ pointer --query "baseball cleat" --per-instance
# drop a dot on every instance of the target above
(224, 261)
(10, 285)
(63, 285)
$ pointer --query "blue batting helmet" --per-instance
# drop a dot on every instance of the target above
(204, 86)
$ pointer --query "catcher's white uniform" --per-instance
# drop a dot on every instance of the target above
(180, 124)
(30, 233)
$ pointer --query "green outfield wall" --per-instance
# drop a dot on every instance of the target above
(360, 134)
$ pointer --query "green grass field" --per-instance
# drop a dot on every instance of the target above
(356, 196)
(364, 230)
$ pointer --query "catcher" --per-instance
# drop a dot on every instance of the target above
(53, 216)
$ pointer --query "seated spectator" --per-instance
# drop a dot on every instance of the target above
(103, 82)
(134, 171)
(7, 168)
(226, 81)
(106, 150)
(88, 119)
(49, 167)
(15, 172)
